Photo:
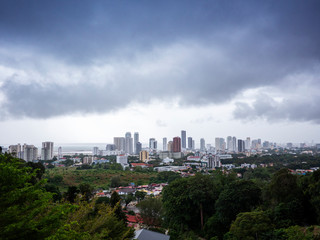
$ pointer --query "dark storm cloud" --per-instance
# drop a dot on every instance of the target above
(264, 107)
(203, 52)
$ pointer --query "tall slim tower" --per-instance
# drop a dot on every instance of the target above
(164, 143)
(176, 146)
(202, 145)
(128, 143)
(183, 139)
(47, 151)
(190, 143)
(136, 140)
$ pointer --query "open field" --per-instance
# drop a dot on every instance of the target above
(98, 178)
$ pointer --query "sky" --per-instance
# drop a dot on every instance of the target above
(87, 71)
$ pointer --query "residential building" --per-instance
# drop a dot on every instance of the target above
(119, 142)
(15, 150)
(190, 146)
(144, 156)
(135, 142)
(202, 145)
(47, 151)
(176, 146)
(241, 146)
(152, 144)
(29, 153)
(95, 151)
(170, 145)
(164, 144)
(183, 139)
(138, 147)
(128, 143)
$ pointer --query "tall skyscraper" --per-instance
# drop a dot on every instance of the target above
(176, 146)
(138, 147)
(153, 144)
(95, 151)
(234, 144)
(164, 143)
(136, 140)
(241, 145)
(202, 145)
(15, 150)
(119, 142)
(47, 151)
(229, 144)
(59, 152)
(170, 146)
(190, 147)
(30, 153)
(248, 141)
(128, 143)
(183, 139)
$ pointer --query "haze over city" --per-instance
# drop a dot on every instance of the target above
(88, 71)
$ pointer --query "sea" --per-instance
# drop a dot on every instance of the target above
(77, 148)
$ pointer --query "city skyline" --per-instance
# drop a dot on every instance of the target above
(214, 69)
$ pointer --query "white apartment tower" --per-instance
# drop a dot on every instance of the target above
(47, 151)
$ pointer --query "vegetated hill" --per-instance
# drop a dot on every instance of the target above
(99, 178)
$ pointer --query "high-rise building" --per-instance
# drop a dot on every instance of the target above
(95, 151)
(183, 139)
(176, 146)
(214, 161)
(220, 145)
(138, 147)
(202, 145)
(128, 143)
(164, 142)
(248, 141)
(59, 152)
(241, 146)
(119, 142)
(30, 153)
(47, 151)
(170, 146)
(153, 144)
(234, 144)
(144, 156)
(135, 141)
(190, 147)
(111, 147)
(193, 145)
(15, 150)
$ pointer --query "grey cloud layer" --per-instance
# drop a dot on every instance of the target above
(199, 53)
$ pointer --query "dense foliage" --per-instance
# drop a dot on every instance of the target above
(261, 206)
(28, 209)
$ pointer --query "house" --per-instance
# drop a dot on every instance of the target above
(144, 234)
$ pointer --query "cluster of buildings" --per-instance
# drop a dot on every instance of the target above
(30, 153)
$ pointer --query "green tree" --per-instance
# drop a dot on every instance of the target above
(239, 196)
(140, 195)
(71, 194)
(284, 187)
(115, 203)
(115, 181)
(189, 202)
(86, 191)
(91, 221)
(251, 225)
(151, 211)
(26, 210)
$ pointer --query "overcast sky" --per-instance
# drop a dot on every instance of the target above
(86, 71)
